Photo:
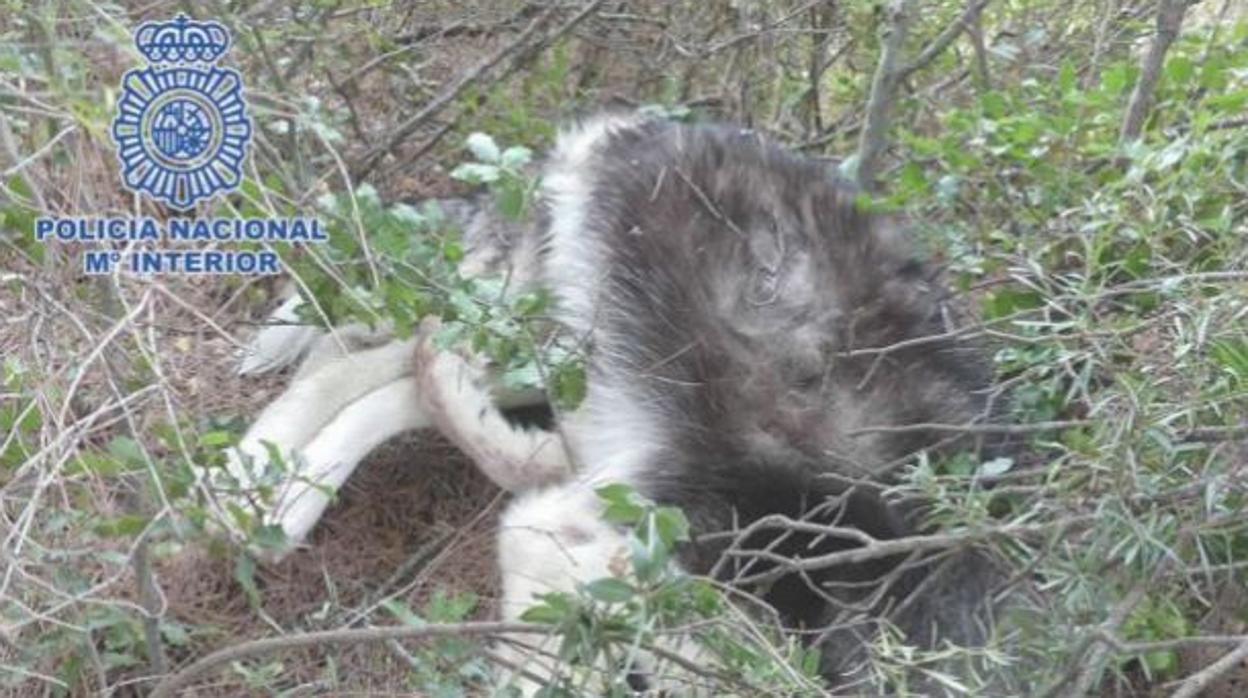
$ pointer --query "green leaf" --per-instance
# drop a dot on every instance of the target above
(610, 590)
(1067, 76)
(483, 147)
(551, 609)
(994, 105)
(1232, 355)
(995, 467)
(245, 575)
(476, 173)
(1179, 69)
(174, 632)
(671, 525)
(623, 505)
(1231, 101)
(649, 556)
(530, 303)
(516, 156)
(568, 384)
(450, 608)
(1005, 301)
(405, 615)
(1115, 78)
(124, 526)
(216, 438)
(126, 450)
(1162, 663)
(452, 252)
(512, 198)
(269, 537)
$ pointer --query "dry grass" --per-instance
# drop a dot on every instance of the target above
(415, 520)
(416, 517)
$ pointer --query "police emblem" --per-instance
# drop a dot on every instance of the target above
(181, 128)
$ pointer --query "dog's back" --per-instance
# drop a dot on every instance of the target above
(730, 293)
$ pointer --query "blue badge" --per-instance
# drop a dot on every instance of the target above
(181, 128)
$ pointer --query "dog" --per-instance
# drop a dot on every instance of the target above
(754, 339)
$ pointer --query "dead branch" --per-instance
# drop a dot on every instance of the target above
(878, 548)
(1216, 433)
(976, 32)
(873, 139)
(1193, 685)
(888, 75)
(1229, 124)
(821, 21)
(973, 428)
(1092, 666)
(422, 32)
(149, 597)
(1128, 648)
(474, 75)
(1169, 21)
(967, 21)
(172, 685)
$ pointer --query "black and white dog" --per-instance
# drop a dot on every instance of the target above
(749, 328)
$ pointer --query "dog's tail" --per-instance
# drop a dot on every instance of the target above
(281, 343)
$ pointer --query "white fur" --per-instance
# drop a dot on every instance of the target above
(551, 541)
(309, 428)
(457, 396)
(341, 342)
(554, 539)
(337, 449)
(281, 343)
(574, 267)
(612, 434)
(340, 408)
(312, 402)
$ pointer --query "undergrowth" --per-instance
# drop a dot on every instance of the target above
(1111, 280)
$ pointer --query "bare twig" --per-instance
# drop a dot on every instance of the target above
(1195, 684)
(1169, 21)
(1092, 665)
(878, 549)
(171, 686)
(479, 71)
(976, 31)
(149, 597)
(883, 86)
(1229, 124)
(420, 33)
(968, 20)
(973, 428)
(1216, 433)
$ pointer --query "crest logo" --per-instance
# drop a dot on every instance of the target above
(181, 128)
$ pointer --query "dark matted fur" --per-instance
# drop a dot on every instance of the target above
(737, 277)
